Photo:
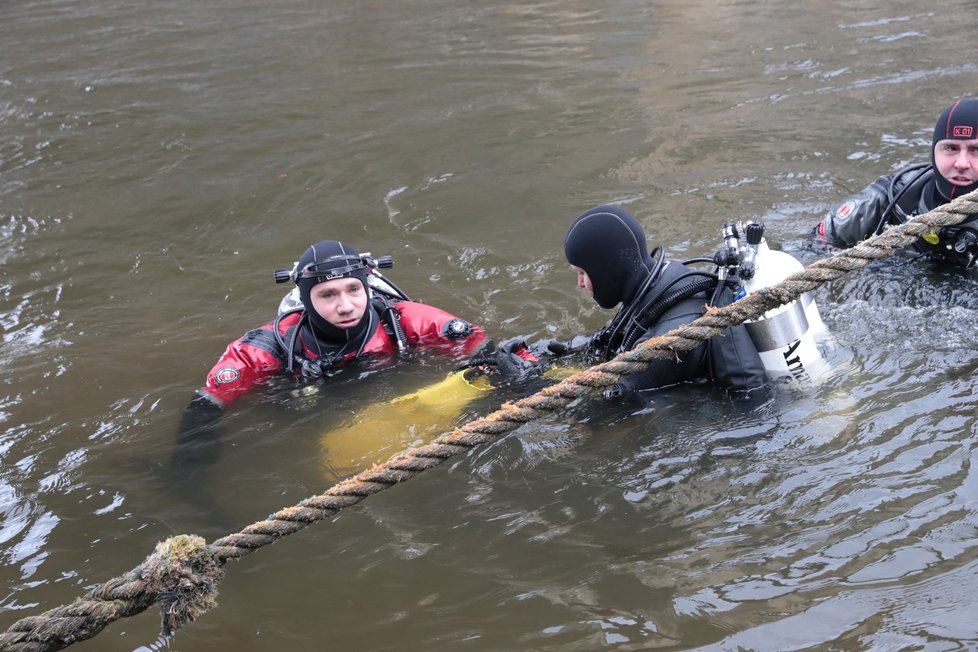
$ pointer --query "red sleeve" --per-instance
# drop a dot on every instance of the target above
(245, 364)
(430, 327)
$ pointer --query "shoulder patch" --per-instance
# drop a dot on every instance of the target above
(226, 375)
(846, 209)
(457, 329)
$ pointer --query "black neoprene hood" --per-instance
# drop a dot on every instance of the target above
(958, 122)
(609, 244)
(325, 257)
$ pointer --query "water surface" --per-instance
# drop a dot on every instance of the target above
(159, 160)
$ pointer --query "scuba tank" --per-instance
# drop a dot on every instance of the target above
(785, 337)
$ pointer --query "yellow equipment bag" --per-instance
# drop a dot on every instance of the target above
(381, 430)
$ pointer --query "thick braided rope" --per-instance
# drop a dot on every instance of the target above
(184, 584)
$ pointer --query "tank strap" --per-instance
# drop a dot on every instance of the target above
(661, 302)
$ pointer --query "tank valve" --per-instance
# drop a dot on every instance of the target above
(753, 233)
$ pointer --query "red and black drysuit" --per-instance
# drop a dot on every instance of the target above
(259, 355)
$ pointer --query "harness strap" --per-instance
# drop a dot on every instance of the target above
(391, 320)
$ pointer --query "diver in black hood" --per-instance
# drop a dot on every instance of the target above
(918, 189)
(607, 248)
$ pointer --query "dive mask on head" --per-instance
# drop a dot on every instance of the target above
(323, 270)
(327, 270)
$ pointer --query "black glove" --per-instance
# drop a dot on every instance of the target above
(510, 365)
(558, 348)
(503, 363)
(319, 369)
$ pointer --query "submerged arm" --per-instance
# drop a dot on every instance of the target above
(199, 436)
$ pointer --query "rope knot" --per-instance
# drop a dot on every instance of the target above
(184, 574)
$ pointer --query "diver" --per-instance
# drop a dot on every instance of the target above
(915, 190)
(607, 248)
(342, 316)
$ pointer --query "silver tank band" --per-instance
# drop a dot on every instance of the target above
(782, 329)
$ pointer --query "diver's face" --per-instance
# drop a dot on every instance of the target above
(583, 280)
(957, 160)
(340, 301)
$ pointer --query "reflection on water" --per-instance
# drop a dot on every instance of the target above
(156, 164)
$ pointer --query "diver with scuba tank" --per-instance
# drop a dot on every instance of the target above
(345, 310)
(918, 189)
(607, 248)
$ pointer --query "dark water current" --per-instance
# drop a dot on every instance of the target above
(159, 159)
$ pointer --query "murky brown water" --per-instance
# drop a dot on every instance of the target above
(159, 160)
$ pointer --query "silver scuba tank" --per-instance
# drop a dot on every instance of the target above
(785, 337)
(290, 301)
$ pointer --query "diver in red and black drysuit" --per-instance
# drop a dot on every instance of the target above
(607, 247)
(918, 189)
(341, 319)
